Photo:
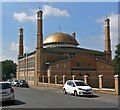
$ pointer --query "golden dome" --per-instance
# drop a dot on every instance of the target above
(60, 38)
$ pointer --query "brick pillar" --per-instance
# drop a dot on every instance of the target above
(49, 79)
(73, 77)
(26, 63)
(100, 82)
(116, 84)
(86, 79)
(56, 79)
(43, 78)
(48, 72)
(64, 79)
(18, 73)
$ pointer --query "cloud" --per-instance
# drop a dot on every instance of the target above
(23, 17)
(50, 11)
(14, 47)
(47, 9)
(8, 57)
(113, 29)
(12, 52)
(90, 42)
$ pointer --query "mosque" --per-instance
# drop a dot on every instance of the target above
(59, 54)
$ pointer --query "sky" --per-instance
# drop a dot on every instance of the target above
(86, 19)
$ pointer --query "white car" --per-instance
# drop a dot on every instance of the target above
(77, 87)
(9, 81)
(14, 82)
(6, 92)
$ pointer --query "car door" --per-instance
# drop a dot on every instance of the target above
(72, 87)
(67, 86)
(6, 90)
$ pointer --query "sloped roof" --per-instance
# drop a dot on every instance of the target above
(72, 50)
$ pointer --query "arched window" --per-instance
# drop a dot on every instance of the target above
(87, 74)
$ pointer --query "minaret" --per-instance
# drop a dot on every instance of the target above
(39, 57)
(73, 34)
(21, 50)
(107, 40)
(39, 29)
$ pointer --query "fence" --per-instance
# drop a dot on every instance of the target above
(99, 84)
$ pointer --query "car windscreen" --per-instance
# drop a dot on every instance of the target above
(81, 84)
(10, 80)
(5, 86)
(22, 81)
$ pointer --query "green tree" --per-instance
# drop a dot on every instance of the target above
(117, 60)
(8, 69)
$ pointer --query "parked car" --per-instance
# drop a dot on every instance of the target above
(77, 87)
(9, 81)
(22, 83)
(14, 82)
(6, 92)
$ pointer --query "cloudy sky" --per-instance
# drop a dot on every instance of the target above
(84, 18)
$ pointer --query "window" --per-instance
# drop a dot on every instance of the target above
(102, 66)
(78, 64)
(69, 83)
(88, 65)
(5, 85)
(81, 84)
(57, 65)
(72, 84)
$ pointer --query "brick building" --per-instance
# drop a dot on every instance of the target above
(59, 54)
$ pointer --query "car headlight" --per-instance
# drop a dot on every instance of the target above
(90, 89)
(80, 88)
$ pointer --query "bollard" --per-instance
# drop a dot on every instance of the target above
(100, 82)
(55, 79)
(73, 77)
(86, 79)
(64, 78)
(48, 79)
(116, 84)
(43, 78)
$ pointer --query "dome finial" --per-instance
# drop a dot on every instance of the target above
(59, 28)
(39, 8)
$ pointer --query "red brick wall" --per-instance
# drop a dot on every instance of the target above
(84, 60)
(61, 68)
(107, 70)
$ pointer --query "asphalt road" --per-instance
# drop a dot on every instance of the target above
(44, 97)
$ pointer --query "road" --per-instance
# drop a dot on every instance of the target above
(44, 97)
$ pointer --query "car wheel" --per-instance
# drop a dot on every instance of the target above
(64, 91)
(75, 93)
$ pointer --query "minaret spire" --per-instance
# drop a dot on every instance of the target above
(21, 50)
(39, 29)
(39, 57)
(107, 40)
